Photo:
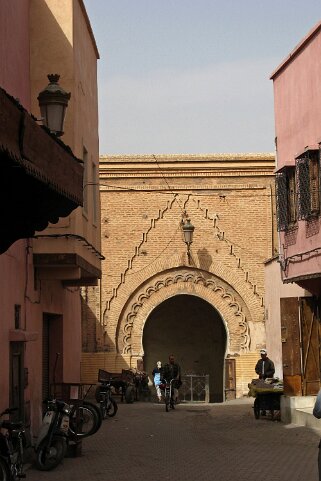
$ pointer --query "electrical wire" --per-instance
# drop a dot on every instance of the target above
(152, 261)
(175, 195)
(161, 192)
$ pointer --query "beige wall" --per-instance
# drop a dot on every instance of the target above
(62, 42)
(274, 291)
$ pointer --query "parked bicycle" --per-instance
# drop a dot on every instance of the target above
(12, 440)
(107, 404)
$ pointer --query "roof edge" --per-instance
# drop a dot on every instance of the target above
(213, 156)
(297, 49)
(90, 30)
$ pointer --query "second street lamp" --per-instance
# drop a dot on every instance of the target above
(53, 101)
(188, 230)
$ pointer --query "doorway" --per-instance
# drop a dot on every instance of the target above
(52, 353)
(17, 381)
(192, 330)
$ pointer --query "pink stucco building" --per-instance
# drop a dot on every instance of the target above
(58, 250)
(297, 101)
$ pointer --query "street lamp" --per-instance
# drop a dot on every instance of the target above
(53, 101)
(188, 230)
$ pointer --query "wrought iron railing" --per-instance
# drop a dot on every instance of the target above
(195, 388)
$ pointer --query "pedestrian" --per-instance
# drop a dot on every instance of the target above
(157, 377)
(172, 371)
(317, 414)
(264, 366)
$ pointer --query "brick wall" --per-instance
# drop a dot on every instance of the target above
(230, 201)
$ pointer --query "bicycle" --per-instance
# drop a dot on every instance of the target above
(168, 392)
(12, 440)
(107, 404)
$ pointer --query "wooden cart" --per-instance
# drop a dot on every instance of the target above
(267, 400)
(130, 385)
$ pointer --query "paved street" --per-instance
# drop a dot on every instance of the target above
(203, 442)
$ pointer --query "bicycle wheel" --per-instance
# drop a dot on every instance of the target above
(167, 402)
(48, 457)
(4, 470)
(85, 419)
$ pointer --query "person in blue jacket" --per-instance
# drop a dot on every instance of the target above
(157, 376)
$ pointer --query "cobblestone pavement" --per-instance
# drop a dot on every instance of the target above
(193, 443)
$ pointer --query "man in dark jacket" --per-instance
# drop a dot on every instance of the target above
(264, 366)
(171, 371)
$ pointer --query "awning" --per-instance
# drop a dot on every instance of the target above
(42, 180)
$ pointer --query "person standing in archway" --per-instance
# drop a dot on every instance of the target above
(172, 371)
(157, 377)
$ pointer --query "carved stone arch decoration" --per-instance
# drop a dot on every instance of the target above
(206, 286)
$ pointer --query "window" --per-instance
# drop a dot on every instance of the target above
(286, 198)
(17, 316)
(308, 183)
(85, 181)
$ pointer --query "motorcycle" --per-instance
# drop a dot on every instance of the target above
(51, 445)
(12, 440)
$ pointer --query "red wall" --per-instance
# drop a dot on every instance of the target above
(297, 99)
(14, 49)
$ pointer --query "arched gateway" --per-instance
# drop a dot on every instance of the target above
(188, 312)
(207, 308)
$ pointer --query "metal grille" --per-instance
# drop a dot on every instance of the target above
(315, 182)
(281, 200)
(194, 388)
(303, 187)
(308, 184)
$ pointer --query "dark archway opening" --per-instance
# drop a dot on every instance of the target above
(192, 330)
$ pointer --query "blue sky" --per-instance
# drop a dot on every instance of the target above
(192, 76)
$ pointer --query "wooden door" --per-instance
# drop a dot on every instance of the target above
(230, 379)
(310, 333)
(291, 351)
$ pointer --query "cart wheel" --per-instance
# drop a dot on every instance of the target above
(130, 395)
(256, 409)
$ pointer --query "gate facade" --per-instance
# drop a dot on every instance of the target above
(229, 199)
